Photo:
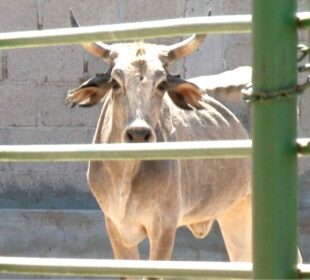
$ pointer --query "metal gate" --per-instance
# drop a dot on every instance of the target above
(274, 148)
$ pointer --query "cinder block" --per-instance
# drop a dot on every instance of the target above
(242, 38)
(3, 141)
(56, 113)
(19, 105)
(94, 12)
(18, 15)
(4, 131)
(48, 135)
(303, 5)
(54, 233)
(95, 65)
(304, 233)
(303, 115)
(236, 55)
(49, 189)
(64, 181)
(38, 167)
(67, 168)
(232, 8)
(229, 7)
(304, 181)
(201, 8)
(40, 135)
(24, 181)
(63, 64)
(97, 12)
(207, 60)
(144, 10)
(3, 65)
(81, 234)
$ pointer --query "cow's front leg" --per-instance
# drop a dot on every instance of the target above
(161, 237)
(119, 249)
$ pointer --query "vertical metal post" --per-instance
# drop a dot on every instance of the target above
(274, 134)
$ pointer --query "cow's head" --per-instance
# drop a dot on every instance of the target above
(136, 83)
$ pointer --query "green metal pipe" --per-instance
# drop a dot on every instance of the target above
(146, 151)
(126, 31)
(115, 268)
(274, 140)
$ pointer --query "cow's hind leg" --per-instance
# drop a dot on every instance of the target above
(236, 228)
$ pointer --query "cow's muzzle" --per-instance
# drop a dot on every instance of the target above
(138, 132)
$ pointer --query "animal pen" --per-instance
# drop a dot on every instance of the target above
(274, 148)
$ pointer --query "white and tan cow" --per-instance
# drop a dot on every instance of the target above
(142, 102)
(227, 87)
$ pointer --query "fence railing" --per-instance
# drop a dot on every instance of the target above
(274, 36)
(134, 31)
(126, 31)
(146, 151)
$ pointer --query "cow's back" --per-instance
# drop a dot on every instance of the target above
(226, 87)
(210, 187)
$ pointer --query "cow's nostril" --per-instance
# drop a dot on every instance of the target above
(147, 137)
(138, 134)
(129, 136)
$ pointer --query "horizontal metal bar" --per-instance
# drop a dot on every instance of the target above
(126, 31)
(303, 20)
(304, 271)
(134, 31)
(146, 151)
(303, 146)
(115, 268)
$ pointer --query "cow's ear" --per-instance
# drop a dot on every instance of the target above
(91, 92)
(184, 94)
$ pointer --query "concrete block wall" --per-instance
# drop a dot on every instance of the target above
(34, 84)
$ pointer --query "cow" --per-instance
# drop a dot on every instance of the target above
(144, 103)
(227, 87)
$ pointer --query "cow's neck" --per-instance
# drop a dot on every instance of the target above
(122, 175)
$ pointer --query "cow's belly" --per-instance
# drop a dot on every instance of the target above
(211, 187)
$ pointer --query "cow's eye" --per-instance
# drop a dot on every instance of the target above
(162, 86)
(115, 85)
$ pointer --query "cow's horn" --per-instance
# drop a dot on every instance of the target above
(185, 47)
(98, 49)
